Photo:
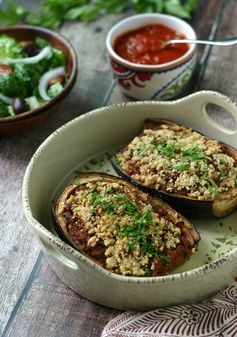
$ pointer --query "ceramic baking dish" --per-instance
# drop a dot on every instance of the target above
(86, 144)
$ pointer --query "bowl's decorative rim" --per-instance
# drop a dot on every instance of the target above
(71, 79)
(142, 67)
(57, 242)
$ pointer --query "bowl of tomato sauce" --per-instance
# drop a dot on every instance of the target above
(141, 67)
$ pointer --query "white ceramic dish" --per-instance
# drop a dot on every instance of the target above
(80, 145)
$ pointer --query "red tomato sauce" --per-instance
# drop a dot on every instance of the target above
(142, 45)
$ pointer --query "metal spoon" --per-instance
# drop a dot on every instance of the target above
(228, 41)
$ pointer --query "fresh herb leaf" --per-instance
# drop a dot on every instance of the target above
(213, 183)
(222, 240)
(222, 172)
(141, 152)
(93, 161)
(182, 166)
(190, 5)
(52, 13)
(203, 181)
(175, 7)
(117, 160)
(216, 245)
(223, 162)
(195, 153)
(212, 190)
(166, 149)
(12, 13)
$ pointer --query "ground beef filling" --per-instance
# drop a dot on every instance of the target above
(180, 161)
(122, 230)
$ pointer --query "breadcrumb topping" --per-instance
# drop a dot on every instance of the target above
(179, 160)
(132, 233)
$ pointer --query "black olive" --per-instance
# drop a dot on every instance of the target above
(19, 105)
(31, 49)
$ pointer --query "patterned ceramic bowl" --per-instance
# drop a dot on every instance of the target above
(84, 144)
(162, 81)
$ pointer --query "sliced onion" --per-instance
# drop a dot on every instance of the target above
(46, 51)
(46, 78)
(6, 99)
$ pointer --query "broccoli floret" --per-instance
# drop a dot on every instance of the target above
(9, 47)
(3, 110)
(22, 81)
(57, 59)
(8, 85)
(27, 76)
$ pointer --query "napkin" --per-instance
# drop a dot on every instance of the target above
(217, 317)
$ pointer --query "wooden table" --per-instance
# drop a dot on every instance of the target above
(33, 301)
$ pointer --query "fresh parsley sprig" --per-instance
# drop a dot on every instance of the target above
(52, 13)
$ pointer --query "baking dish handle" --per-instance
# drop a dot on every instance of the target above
(55, 253)
(213, 97)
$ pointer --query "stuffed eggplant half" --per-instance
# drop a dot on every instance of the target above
(194, 174)
(123, 229)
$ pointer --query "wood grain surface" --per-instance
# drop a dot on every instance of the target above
(33, 301)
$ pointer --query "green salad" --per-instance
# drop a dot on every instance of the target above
(31, 73)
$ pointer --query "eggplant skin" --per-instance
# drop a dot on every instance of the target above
(221, 205)
(123, 229)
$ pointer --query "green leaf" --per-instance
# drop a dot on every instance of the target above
(112, 6)
(174, 7)
(191, 5)
(182, 166)
(222, 172)
(195, 153)
(51, 13)
(48, 19)
(222, 240)
(74, 13)
(159, 6)
(214, 185)
(222, 161)
(12, 13)
(166, 149)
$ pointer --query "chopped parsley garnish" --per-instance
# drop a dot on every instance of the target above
(137, 234)
(194, 152)
(223, 162)
(212, 190)
(213, 183)
(222, 172)
(110, 204)
(203, 180)
(117, 159)
(182, 166)
(141, 151)
(166, 149)
(93, 161)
